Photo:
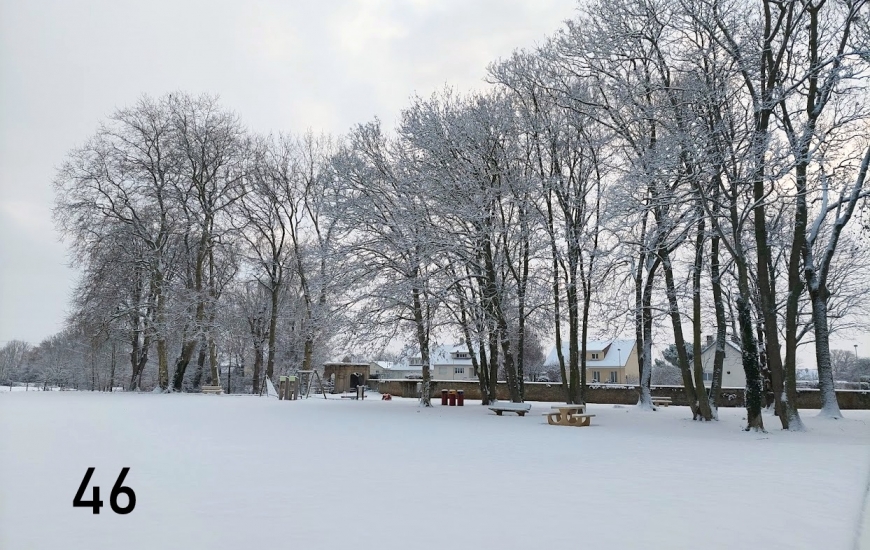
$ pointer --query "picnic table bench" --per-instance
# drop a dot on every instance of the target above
(569, 415)
(212, 389)
(519, 408)
(662, 401)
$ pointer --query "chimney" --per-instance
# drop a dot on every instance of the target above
(709, 339)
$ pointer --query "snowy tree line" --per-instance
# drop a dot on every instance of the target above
(656, 165)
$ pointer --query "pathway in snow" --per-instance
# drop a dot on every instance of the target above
(244, 472)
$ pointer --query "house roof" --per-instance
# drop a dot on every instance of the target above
(617, 353)
(728, 341)
(403, 367)
(443, 355)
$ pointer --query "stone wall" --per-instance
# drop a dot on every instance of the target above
(607, 393)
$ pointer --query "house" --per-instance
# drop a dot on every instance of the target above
(733, 375)
(607, 361)
(452, 362)
(446, 362)
(390, 370)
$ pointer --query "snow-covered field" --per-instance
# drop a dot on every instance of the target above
(217, 472)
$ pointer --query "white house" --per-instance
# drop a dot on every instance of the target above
(732, 367)
(607, 361)
(452, 362)
(446, 362)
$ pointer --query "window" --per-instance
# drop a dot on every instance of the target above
(596, 376)
(458, 370)
(708, 377)
(462, 355)
(613, 377)
(595, 356)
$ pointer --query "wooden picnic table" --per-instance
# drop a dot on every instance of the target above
(568, 415)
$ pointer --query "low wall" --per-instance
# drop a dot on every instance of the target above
(616, 394)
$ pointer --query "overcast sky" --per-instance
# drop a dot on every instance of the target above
(281, 65)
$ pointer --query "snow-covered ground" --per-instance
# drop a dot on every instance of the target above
(217, 472)
(34, 387)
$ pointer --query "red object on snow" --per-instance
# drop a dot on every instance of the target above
(460, 397)
(451, 397)
(444, 397)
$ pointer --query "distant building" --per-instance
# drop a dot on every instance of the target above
(607, 361)
(733, 375)
(391, 370)
(446, 362)
(452, 362)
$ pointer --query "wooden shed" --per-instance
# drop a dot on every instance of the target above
(347, 375)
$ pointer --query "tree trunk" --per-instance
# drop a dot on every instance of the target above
(679, 339)
(258, 366)
(754, 389)
(112, 371)
(307, 352)
(573, 337)
(719, 307)
(763, 365)
(160, 315)
(700, 391)
(135, 353)
(273, 324)
(213, 362)
(492, 341)
(423, 342)
(646, 343)
(200, 366)
(557, 299)
(584, 337)
(484, 374)
(162, 361)
(181, 364)
(830, 407)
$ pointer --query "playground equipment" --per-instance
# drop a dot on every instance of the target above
(288, 388)
(306, 380)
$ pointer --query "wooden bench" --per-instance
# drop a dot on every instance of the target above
(569, 415)
(519, 408)
(217, 390)
(662, 401)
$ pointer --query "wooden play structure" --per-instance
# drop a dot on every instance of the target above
(348, 376)
(306, 380)
(288, 388)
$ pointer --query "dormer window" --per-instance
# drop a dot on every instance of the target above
(595, 356)
(462, 355)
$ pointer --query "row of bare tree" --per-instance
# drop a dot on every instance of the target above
(190, 230)
(695, 162)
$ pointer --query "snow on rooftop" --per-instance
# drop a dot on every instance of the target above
(617, 353)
